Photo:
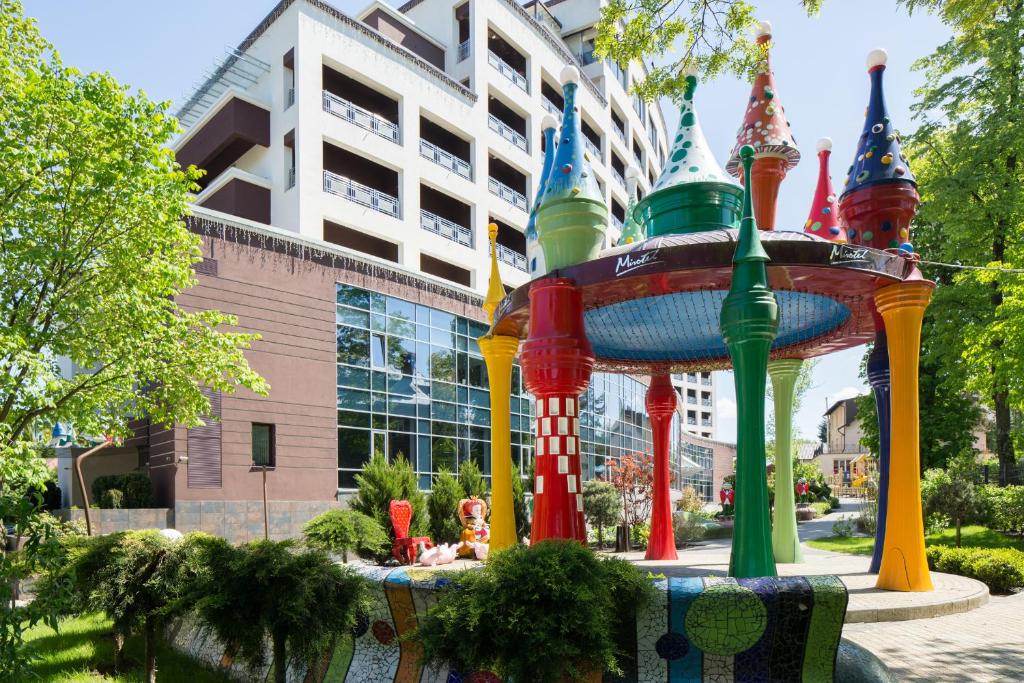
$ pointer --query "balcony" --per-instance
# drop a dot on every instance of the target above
(506, 70)
(691, 421)
(705, 423)
(620, 74)
(464, 51)
(499, 189)
(446, 228)
(363, 118)
(289, 98)
(447, 160)
(361, 194)
(621, 135)
(595, 151)
(290, 180)
(691, 400)
(550, 107)
(506, 132)
(706, 381)
(618, 224)
(511, 257)
(618, 178)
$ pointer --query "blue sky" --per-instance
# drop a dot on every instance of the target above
(165, 48)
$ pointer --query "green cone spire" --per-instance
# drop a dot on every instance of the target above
(692, 194)
(632, 229)
(749, 323)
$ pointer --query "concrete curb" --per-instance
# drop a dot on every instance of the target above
(977, 597)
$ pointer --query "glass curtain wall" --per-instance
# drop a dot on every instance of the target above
(412, 383)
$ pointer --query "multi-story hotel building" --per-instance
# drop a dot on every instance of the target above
(353, 164)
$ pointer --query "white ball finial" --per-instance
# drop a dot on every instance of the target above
(764, 28)
(877, 57)
(570, 74)
(823, 145)
(632, 173)
(548, 121)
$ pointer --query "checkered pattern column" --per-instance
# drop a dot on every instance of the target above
(558, 491)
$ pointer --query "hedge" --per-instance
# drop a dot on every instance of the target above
(131, 490)
(1001, 569)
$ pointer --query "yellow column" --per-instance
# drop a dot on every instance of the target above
(498, 352)
(904, 565)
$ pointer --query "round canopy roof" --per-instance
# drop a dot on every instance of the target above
(656, 304)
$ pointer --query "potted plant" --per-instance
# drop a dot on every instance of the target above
(551, 612)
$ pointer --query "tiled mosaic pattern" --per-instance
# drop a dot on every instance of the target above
(694, 630)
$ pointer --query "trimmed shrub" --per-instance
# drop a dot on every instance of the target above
(344, 531)
(821, 508)
(1001, 569)
(524, 602)
(519, 506)
(112, 499)
(471, 479)
(136, 489)
(687, 528)
(601, 507)
(443, 506)
(639, 534)
(381, 482)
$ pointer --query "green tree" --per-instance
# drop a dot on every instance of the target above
(443, 506)
(298, 599)
(951, 492)
(711, 36)
(601, 506)
(966, 156)
(93, 251)
(344, 531)
(381, 482)
(519, 507)
(471, 479)
(139, 579)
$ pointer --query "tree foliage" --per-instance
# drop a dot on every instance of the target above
(966, 156)
(298, 599)
(519, 507)
(381, 482)
(951, 492)
(601, 506)
(443, 506)
(471, 479)
(633, 477)
(710, 36)
(345, 531)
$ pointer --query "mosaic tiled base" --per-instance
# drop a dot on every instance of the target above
(698, 630)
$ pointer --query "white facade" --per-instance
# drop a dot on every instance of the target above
(459, 99)
(697, 394)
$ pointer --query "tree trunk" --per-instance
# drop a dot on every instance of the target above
(1004, 443)
(958, 522)
(280, 658)
(118, 652)
(150, 629)
(600, 537)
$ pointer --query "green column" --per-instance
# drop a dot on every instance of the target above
(750, 322)
(785, 541)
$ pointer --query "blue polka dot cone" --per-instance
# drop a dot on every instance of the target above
(691, 159)
(823, 220)
(879, 158)
(534, 254)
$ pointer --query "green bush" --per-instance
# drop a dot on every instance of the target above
(1001, 569)
(112, 499)
(443, 506)
(821, 508)
(639, 534)
(687, 528)
(1003, 507)
(716, 530)
(601, 507)
(471, 479)
(519, 507)
(137, 489)
(843, 527)
(513, 616)
(381, 482)
(344, 531)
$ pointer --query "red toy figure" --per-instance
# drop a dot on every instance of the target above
(405, 548)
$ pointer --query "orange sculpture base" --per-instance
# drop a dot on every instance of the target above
(766, 176)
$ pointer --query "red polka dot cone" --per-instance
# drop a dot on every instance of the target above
(823, 220)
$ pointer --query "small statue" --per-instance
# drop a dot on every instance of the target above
(475, 531)
(727, 497)
(802, 490)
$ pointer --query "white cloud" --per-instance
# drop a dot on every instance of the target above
(726, 409)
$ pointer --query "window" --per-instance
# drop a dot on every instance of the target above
(263, 447)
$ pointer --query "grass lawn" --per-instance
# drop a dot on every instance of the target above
(970, 537)
(84, 647)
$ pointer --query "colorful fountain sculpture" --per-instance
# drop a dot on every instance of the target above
(702, 281)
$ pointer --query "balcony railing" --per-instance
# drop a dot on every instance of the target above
(429, 150)
(367, 120)
(361, 194)
(550, 106)
(618, 224)
(290, 180)
(507, 132)
(705, 423)
(516, 199)
(446, 228)
(464, 50)
(507, 71)
(620, 74)
(289, 98)
(691, 421)
(692, 400)
(706, 381)
(618, 177)
(594, 149)
(620, 134)
(511, 257)
(706, 402)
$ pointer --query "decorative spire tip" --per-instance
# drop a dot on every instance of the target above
(877, 57)
(764, 28)
(823, 144)
(570, 74)
(548, 121)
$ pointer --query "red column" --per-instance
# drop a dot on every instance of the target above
(557, 363)
(661, 405)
